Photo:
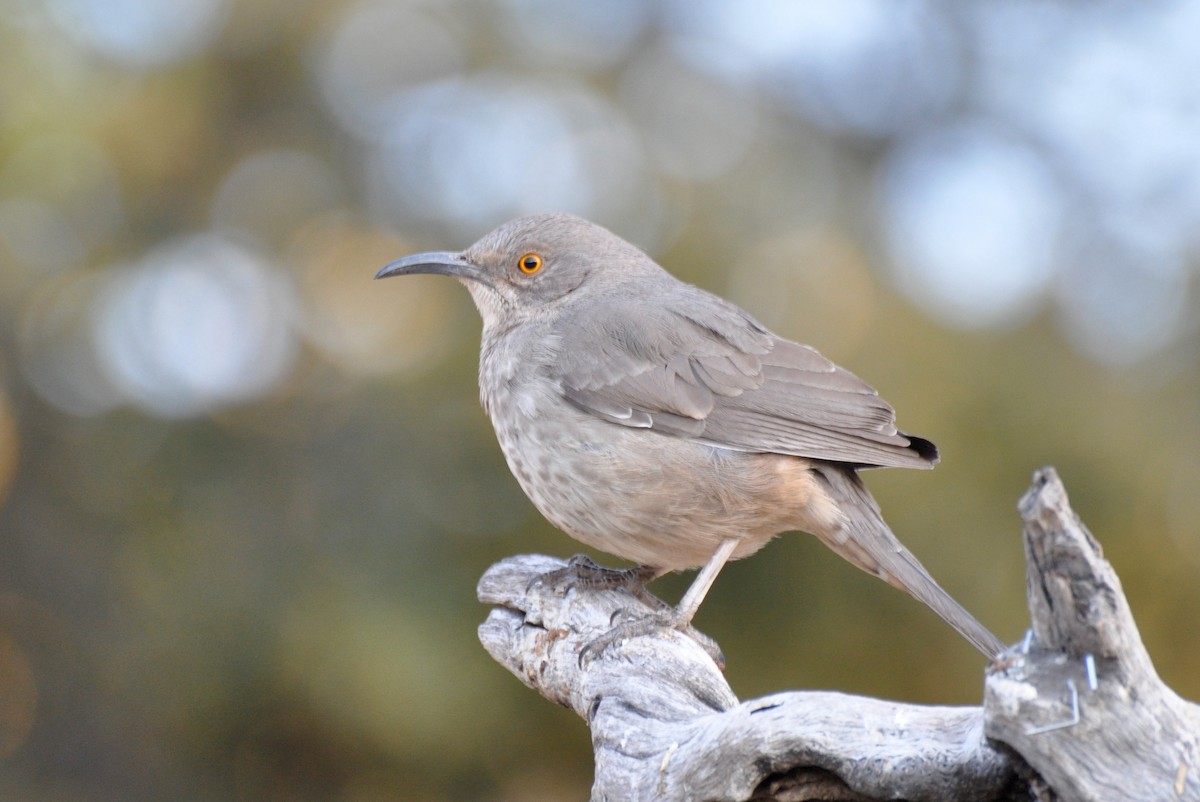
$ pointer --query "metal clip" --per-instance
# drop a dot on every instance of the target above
(1059, 725)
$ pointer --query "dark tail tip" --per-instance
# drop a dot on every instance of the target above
(926, 449)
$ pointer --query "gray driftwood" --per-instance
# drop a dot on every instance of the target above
(1080, 701)
(666, 726)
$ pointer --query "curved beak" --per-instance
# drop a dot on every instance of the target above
(445, 263)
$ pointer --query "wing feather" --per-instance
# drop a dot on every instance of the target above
(716, 375)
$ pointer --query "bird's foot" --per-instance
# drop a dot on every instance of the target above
(641, 625)
(582, 572)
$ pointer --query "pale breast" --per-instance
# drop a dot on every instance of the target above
(651, 498)
(647, 497)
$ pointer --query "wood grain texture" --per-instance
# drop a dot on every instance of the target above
(1135, 738)
(666, 726)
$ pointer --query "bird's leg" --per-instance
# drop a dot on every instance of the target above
(679, 617)
(690, 603)
(582, 572)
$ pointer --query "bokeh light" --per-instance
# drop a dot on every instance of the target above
(479, 150)
(199, 324)
(377, 51)
(866, 67)
(1128, 304)
(1119, 108)
(142, 33)
(268, 195)
(39, 237)
(551, 33)
(75, 183)
(973, 222)
(696, 132)
(59, 356)
(363, 330)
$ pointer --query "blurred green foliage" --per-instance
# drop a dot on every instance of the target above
(257, 582)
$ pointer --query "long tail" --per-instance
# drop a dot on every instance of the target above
(867, 542)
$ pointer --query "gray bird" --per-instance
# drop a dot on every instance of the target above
(654, 421)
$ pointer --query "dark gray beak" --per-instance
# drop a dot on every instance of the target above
(445, 263)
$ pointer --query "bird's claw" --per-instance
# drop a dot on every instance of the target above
(636, 626)
(583, 572)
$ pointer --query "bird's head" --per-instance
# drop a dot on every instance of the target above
(532, 263)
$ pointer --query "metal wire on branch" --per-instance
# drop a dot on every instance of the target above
(1073, 712)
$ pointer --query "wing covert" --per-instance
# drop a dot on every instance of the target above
(717, 376)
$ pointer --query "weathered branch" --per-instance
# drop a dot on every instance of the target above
(665, 724)
(1134, 737)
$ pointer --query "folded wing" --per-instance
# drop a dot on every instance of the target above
(711, 373)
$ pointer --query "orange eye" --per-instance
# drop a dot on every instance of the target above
(530, 263)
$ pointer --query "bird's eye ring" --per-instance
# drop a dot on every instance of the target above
(530, 263)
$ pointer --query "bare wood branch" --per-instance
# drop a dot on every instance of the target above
(666, 725)
(1134, 738)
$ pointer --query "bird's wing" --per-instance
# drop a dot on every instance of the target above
(712, 373)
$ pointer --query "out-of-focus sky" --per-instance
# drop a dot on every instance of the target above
(247, 491)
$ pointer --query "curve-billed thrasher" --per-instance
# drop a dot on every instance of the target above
(652, 420)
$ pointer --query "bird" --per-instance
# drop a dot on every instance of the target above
(657, 422)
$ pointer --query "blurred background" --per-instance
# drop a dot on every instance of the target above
(247, 491)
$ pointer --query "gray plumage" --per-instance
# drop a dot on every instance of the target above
(657, 422)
